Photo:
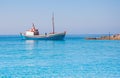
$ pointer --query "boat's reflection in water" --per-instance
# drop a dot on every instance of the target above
(30, 44)
(42, 44)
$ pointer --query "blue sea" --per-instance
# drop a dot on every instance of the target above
(73, 57)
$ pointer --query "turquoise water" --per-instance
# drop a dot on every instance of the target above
(73, 57)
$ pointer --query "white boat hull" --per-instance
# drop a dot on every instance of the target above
(56, 36)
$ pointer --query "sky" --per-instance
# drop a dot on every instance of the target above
(72, 16)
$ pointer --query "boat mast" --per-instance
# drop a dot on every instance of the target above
(53, 23)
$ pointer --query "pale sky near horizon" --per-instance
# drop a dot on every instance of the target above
(73, 16)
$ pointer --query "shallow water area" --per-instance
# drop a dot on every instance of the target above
(73, 57)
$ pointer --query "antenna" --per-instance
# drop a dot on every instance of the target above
(33, 25)
(53, 22)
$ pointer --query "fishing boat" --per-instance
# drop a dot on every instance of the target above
(33, 34)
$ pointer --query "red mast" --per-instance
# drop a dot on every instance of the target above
(33, 27)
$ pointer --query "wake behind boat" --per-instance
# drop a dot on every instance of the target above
(33, 33)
